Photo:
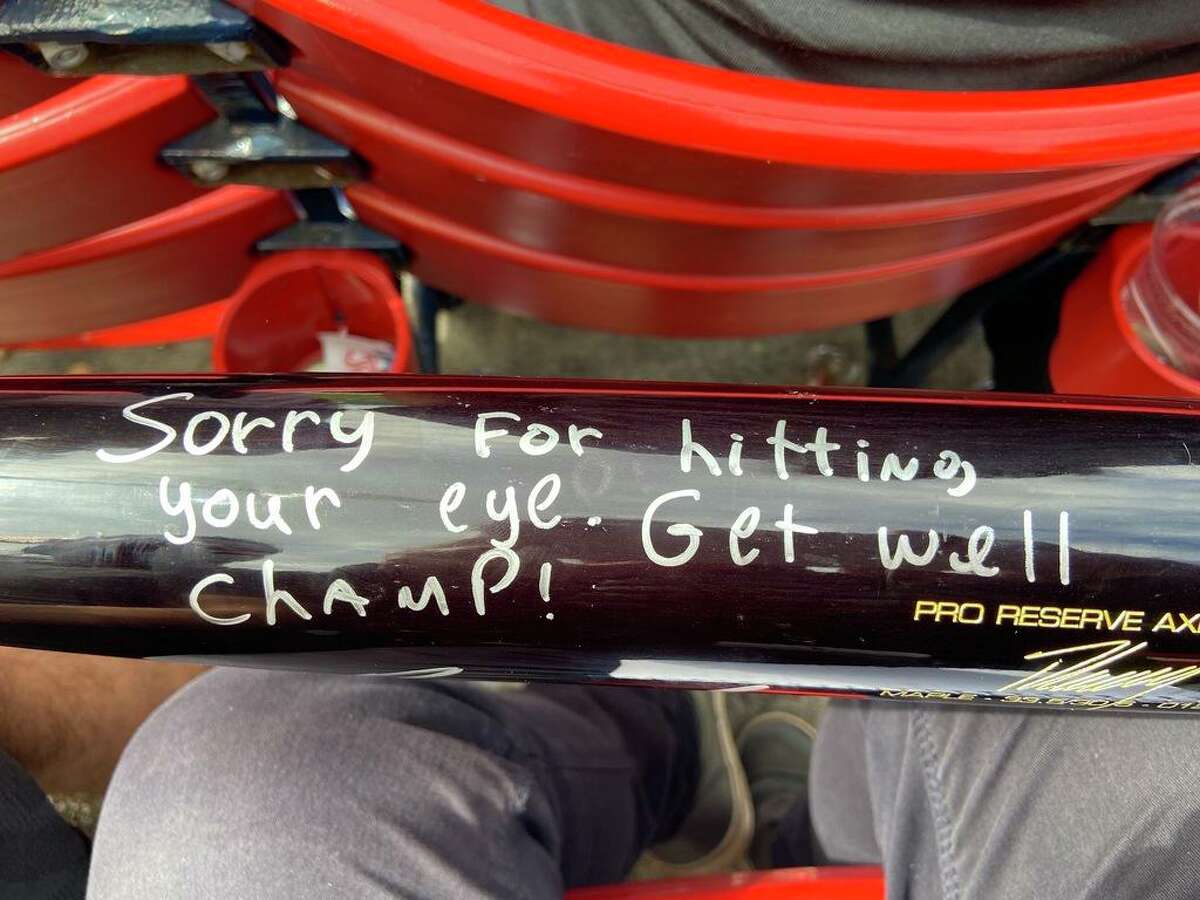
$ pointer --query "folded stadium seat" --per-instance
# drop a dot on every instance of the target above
(563, 177)
(22, 85)
(85, 159)
(185, 256)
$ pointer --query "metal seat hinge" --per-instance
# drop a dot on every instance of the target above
(151, 37)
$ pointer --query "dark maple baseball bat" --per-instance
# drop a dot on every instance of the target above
(982, 548)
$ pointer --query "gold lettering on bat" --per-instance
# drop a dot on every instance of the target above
(1069, 617)
(1093, 673)
(1178, 623)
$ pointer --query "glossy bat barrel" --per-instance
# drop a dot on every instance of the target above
(988, 549)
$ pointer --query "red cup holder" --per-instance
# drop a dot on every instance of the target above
(1097, 350)
(272, 322)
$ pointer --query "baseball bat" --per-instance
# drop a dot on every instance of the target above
(986, 549)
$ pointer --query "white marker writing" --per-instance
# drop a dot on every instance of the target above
(451, 500)
(507, 512)
(290, 421)
(243, 428)
(689, 448)
(862, 461)
(431, 591)
(538, 439)
(512, 566)
(1064, 548)
(790, 529)
(948, 466)
(274, 514)
(743, 526)
(180, 507)
(782, 445)
(904, 551)
(362, 434)
(821, 447)
(1027, 527)
(483, 434)
(891, 468)
(194, 601)
(550, 484)
(129, 414)
(979, 544)
(193, 426)
(312, 502)
(340, 591)
(680, 529)
(735, 454)
(575, 436)
(275, 596)
(222, 497)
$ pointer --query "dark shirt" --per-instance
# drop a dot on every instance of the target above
(926, 44)
(41, 856)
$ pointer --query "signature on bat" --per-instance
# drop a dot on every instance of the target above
(1094, 674)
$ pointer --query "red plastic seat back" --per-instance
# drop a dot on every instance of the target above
(185, 256)
(827, 883)
(590, 184)
(22, 85)
(86, 159)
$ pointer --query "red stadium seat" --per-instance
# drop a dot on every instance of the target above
(85, 160)
(589, 184)
(185, 256)
(22, 85)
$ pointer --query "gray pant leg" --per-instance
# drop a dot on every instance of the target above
(1010, 804)
(260, 784)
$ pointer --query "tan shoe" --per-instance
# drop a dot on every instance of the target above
(716, 833)
(776, 750)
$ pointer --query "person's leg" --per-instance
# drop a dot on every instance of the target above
(41, 856)
(839, 793)
(66, 717)
(1010, 804)
(292, 785)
